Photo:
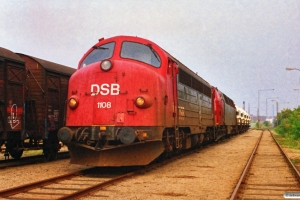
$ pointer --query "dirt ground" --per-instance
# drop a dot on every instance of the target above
(211, 173)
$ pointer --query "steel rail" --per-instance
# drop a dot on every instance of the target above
(243, 176)
(38, 184)
(99, 186)
(292, 166)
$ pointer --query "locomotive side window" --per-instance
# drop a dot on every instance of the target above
(228, 101)
(190, 81)
(99, 53)
(140, 52)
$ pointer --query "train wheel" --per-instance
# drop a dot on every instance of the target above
(15, 153)
(12, 147)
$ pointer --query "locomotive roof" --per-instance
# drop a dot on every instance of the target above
(54, 67)
(6, 54)
(185, 68)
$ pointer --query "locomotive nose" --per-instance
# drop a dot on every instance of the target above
(65, 135)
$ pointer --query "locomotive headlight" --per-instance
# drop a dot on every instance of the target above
(106, 65)
(140, 101)
(143, 101)
(73, 102)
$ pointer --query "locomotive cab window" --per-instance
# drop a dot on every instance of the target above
(140, 52)
(99, 53)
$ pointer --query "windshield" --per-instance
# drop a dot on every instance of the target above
(140, 52)
(99, 53)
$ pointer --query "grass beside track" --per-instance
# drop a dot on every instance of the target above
(287, 142)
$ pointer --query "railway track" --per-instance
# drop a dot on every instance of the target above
(79, 184)
(82, 183)
(269, 174)
(69, 186)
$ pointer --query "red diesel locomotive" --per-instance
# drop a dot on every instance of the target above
(130, 101)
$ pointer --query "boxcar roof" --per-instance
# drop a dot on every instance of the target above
(54, 67)
(6, 54)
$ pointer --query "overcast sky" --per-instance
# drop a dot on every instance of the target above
(239, 46)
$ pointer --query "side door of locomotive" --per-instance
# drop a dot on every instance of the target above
(172, 112)
(175, 72)
(175, 96)
(221, 108)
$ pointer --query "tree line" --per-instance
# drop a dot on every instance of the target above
(287, 123)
